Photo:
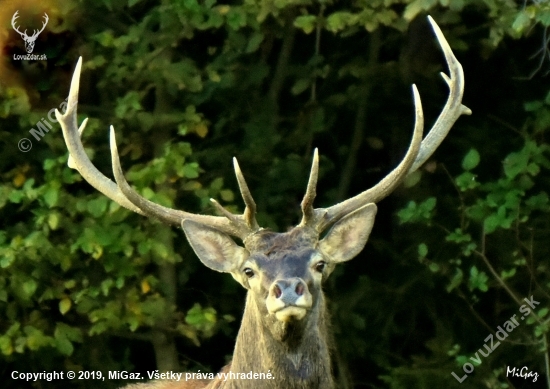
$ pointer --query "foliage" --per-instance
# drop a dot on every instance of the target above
(502, 227)
(86, 285)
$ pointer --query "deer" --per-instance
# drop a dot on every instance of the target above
(284, 332)
(29, 40)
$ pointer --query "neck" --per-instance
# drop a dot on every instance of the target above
(296, 354)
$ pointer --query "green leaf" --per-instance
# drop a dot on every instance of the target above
(466, 181)
(29, 287)
(507, 274)
(338, 21)
(521, 22)
(458, 236)
(543, 16)
(51, 196)
(300, 85)
(468, 249)
(471, 160)
(516, 163)
(53, 220)
(64, 345)
(69, 284)
(65, 305)
(217, 184)
(98, 206)
(203, 319)
(491, 223)
(434, 267)
(227, 195)
(106, 286)
(6, 345)
(236, 18)
(414, 212)
(64, 335)
(144, 246)
(478, 280)
(412, 179)
(417, 6)
(7, 260)
(538, 202)
(306, 23)
(104, 38)
(533, 169)
(129, 104)
(456, 280)
(133, 323)
(422, 250)
(36, 338)
(532, 106)
(160, 249)
(191, 170)
(254, 42)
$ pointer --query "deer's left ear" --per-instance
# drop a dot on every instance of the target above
(214, 248)
(349, 235)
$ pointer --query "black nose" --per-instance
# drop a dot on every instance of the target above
(288, 290)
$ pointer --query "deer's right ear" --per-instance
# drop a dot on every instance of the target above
(214, 248)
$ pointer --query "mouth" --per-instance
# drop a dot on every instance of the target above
(290, 313)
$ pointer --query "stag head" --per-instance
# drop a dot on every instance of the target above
(29, 40)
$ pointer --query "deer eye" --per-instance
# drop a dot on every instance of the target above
(320, 266)
(248, 272)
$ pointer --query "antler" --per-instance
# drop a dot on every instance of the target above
(36, 32)
(417, 153)
(307, 203)
(15, 16)
(236, 225)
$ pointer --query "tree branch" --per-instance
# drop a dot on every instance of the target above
(360, 121)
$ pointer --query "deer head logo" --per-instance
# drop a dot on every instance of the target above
(29, 40)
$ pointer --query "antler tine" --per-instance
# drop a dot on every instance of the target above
(311, 191)
(417, 154)
(453, 107)
(250, 205)
(77, 156)
(230, 224)
(147, 207)
(123, 194)
(324, 217)
(237, 220)
(13, 19)
(44, 24)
